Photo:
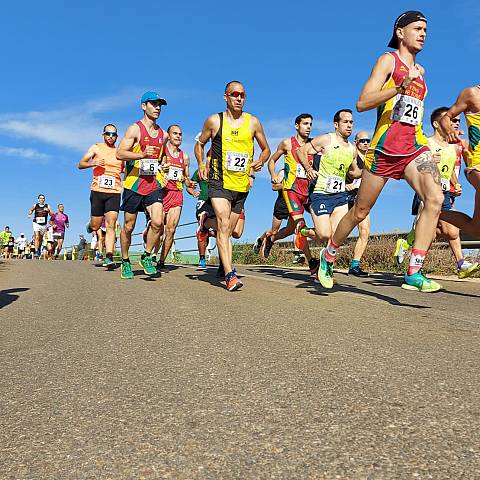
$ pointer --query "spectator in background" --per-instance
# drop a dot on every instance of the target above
(21, 245)
(82, 245)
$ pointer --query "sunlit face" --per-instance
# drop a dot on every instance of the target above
(456, 123)
(344, 126)
(362, 141)
(41, 199)
(175, 136)
(152, 109)
(110, 135)
(235, 97)
(413, 35)
(61, 208)
(304, 127)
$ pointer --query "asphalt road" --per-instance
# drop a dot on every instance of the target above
(177, 378)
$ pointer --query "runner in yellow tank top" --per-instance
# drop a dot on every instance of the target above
(231, 167)
(468, 102)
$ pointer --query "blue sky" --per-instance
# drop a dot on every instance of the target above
(71, 67)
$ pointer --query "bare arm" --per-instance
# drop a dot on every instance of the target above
(261, 139)
(128, 141)
(209, 130)
(460, 105)
(354, 171)
(87, 160)
(186, 170)
(316, 146)
(282, 149)
(30, 211)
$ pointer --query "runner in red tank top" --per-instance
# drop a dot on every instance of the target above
(141, 149)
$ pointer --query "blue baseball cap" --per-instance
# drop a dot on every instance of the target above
(152, 96)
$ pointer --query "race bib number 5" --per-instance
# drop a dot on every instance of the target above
(148, 167)
(236, 161)
(335, 184)
(175, 174)
(106, 181)
(407, 109)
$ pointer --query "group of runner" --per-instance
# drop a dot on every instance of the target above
(335, 180)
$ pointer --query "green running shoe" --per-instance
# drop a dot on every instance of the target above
(126, 270)
(420, 283)
(109, 263)
(325, 271)
(146, 264)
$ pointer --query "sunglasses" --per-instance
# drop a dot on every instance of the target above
(363, 140)
(455, 120)
(111, 134)
(236, 94)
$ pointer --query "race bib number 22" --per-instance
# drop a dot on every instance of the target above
(236, 161)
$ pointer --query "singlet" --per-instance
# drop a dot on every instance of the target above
(332, 167)
(175, 174)
(294, 175)
(458, 165)
(399, 129)
(40, 214)
(473, 125)
(107, 179)
(141, 175)
(232, 154)
(448, 157)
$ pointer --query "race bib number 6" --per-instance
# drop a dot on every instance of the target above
(106, 181)
(148, 167)
(335, 184)
(407, 109)
(175, 174)
(236, 161)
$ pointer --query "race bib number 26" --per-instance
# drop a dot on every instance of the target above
(236, 161)
(407, 109)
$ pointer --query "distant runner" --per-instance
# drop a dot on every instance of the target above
(41, 212)
(60, 222)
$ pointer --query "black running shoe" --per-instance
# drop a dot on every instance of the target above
(357, 272)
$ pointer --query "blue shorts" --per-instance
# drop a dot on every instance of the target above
(446, 205)
(326, 203)
(133, 202)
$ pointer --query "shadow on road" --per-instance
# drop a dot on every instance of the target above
(208, 276)
(8, 296)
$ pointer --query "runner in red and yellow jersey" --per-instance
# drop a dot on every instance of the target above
(106, 187)
(141, 149)
(397, 89)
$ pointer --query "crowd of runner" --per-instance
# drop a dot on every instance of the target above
(335, 180)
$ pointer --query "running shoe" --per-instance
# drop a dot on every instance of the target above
(160, 266)
(420, 283)
(299, 240)
(146, 264)
(267, 245)
(401, 249)
(202, 234)
(145, 232)
(108, 262)
(202, 263)
(257, 245)
(325, 271)
(357, 271)
(232, 281)
(126, 270)
(298, 258)
(467, 269)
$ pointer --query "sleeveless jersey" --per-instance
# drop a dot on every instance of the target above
(473, 125)
(175, 174)
(399, 130)
(332, 167)
(458, 165)
(294, 175)
(448, 157)
(107, 179)
(40, 214)
(232, 154)
(141, 175)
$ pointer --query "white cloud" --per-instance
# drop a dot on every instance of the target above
(28, 153)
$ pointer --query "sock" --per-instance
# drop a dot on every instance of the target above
(331, 252)
(127, 260)
(145, 254)
(110, 256)
(202, 257)
(154, 258)
(411, 236)
(460, 263)
(354, 263)
(416, 261)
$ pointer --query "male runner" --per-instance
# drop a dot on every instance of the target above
(59, 221)
(5, 235)
(334, 158)
(398, 150)
(446, 155)
(467, 102)
(295, 188)
(42, 212)
(21, 242)
(141, 149)
(106, 187)
(362, 142)
(231, 167)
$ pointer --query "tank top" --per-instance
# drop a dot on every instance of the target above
(399, 129)
(141, 175)
(107, 179)
(448, 157)
(332, 167)
(232, 154)
(473, 125)
(175, 174)
(40, 214)
(294, 175)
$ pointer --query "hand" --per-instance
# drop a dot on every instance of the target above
(165, 167)
(99, 163)
(150, 151)
(413, 73)
(312, 174)
(454, 136)
(458, 190)
(349, 187)
(276, 180)
(190, 183)
(195, 194)
(202, 172)
(256, 166)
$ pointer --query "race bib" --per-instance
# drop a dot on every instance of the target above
(148, 167)
(236, 161)
(356, 182)
(407, 109)
(335, 184)
(445, 184)
(200, 204)
(175, 174)
(106, 181)
(301, 171)
(41, 220)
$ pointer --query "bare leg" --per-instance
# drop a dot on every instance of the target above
(156, 225)
(126, 233)
(225, 218)
(363, 236)
(110, 221)
(173, 217)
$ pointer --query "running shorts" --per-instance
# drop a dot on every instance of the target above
(295, 202)
(236, 199)
(132, 202)
(326, 203)
(280, 209)
(446, 205)
(101, 203)
(172, 199)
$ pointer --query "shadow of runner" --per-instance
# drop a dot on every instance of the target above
(208, 276)
(7, 296)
